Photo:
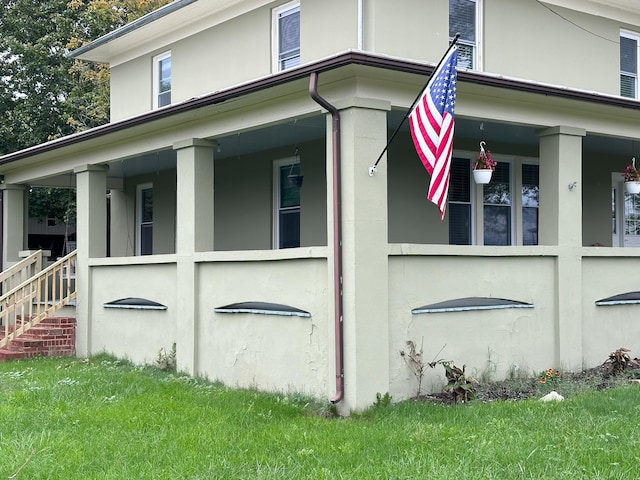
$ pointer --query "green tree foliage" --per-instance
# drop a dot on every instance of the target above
(44, 94)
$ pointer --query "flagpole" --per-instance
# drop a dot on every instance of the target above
(374, 167)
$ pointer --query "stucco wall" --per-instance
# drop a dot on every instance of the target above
(270, 352)
(488, 342)
(607, 328)
(136, 335)
(239, 49)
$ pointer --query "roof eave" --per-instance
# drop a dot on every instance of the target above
(330, 63)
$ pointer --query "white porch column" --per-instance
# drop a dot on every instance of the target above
(91, 233)
(14, 215)
(561, 224)
(194, 233)
(364, 243)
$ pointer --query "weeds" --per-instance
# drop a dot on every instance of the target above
(166, 361)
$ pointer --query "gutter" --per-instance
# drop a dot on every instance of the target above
(337, 235)
(340, 60)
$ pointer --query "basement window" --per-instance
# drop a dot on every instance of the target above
(628, 298)
(470, 303)
(135, 304)
(262, 308)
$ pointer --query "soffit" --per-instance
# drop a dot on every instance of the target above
(625, 11)
(151, 33)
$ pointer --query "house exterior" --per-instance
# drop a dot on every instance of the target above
(183, 198)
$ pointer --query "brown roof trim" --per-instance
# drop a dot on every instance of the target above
(331, 63)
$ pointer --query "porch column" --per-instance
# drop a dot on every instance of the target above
(14, 215)
(364, 242)
(560, 223)
(91, 235)
(194, 233)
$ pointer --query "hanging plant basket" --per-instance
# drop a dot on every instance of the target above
(482, 175)
(632, 187)
(296, 180)
(483, 166)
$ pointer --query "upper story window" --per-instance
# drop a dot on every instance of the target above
(162, 80)
(464, 19)
(286, 36)
(629, 52)
(494, 214)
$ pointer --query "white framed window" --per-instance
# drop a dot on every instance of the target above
(465, 19)
(625, 214)
(286, 36)
(162, 80)
(286, 202)
(144, 218)
(503, 212)
(629, 55)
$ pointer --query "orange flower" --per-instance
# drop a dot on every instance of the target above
(549, 372)
(542, 380)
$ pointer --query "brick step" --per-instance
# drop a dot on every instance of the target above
(52, 337)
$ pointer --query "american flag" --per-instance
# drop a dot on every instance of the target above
(431, 122)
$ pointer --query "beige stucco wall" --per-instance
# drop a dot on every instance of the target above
(136, 335)
(561, 53)
(489, 342)
(607, 328)
(271, 352)
(209, 61)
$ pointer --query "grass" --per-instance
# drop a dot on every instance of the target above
(106, 419)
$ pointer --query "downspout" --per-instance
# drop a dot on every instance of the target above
(337, 234)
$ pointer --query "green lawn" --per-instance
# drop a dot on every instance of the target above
(106, 419)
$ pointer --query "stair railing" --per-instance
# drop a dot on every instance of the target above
(20, 272)
(26, 305)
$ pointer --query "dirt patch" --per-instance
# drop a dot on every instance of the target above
(567, 384)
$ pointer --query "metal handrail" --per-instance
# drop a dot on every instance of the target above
(37, 298)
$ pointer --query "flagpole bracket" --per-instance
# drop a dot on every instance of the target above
(372, 169)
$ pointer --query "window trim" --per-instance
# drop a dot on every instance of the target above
(277, 164)
(634, 36)
(275, 33)
(156, 77)
(139, 224)
(477, 196)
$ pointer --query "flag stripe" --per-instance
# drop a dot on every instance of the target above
(432, 124)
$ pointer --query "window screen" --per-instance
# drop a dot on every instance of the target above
(289, 38)
(462, 20)
(460, 202)
(628, 66)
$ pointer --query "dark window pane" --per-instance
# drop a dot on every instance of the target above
(497, 225)
(628, 55)
(459, 224)
(147, 205)
(289, 228)
(459, 180)
(627, 86)
(462, 19)
(498, 191)
(146, 239)
(529, 226)
(289, 195)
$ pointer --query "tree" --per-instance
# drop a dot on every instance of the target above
(44, 94)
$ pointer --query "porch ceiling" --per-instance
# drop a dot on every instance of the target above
(314, 128)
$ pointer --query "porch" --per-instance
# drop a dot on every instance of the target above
(213, 180)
